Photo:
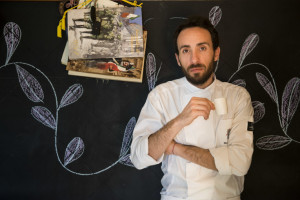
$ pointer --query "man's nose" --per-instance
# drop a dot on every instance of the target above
(195, 58)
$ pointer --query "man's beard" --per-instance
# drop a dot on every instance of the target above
(199, 79)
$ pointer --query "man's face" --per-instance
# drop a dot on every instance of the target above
(196, 56)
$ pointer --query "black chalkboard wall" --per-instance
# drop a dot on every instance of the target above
(32, 153)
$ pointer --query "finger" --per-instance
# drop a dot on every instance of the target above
(202, 101)
(212, 105)
(201, 107)
(204, 114)
(200, 112)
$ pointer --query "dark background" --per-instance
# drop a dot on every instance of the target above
(29, 164)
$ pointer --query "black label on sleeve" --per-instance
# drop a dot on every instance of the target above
(250, 126)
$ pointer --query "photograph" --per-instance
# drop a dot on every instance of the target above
(109, 32)
(120, 69)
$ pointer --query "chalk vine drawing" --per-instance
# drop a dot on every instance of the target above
(289, 103)
(34, 92)
(249, 44)
(290, 98)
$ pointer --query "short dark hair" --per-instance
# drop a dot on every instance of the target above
(197, 21)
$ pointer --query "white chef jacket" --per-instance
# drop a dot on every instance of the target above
(228, 137)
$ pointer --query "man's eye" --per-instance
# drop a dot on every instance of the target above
(202, 48)
(185, 51)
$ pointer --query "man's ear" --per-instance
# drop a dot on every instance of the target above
(217, 54)
(177, 58)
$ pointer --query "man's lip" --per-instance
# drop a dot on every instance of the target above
(196, 69)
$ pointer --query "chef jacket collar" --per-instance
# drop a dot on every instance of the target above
(194, 89)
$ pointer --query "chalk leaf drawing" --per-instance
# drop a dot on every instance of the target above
(249, 44)
(127, 136)
(240, 82)
(44, 116)
(290, 101)
(215, 15)
(259, 110)
(30, 86)
(151, 70)
(34, 92)
(273, 142)
(12, 34)
(124, 159)
(71, 95)
(267, 85)
(74, 150)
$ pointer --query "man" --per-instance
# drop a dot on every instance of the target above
(204, 155)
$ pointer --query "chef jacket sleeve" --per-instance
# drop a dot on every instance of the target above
(150, 121)
(234, 157)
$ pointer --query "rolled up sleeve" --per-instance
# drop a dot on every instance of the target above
(221, 160)
(235, 157)
(139, 153)
(150, 121)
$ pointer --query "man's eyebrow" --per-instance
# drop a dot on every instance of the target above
(199, 44)
(203, 43)
(184, 46)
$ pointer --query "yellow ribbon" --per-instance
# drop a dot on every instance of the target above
(62, 23)
(133, 3)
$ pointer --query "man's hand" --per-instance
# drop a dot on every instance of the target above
(195, 108)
